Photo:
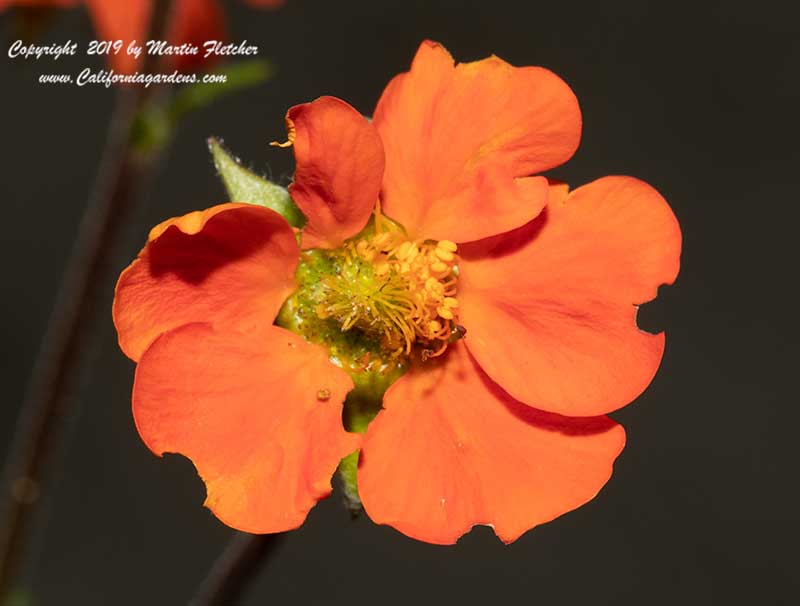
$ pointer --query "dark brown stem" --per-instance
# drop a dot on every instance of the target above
(235, 569)
(44, 408)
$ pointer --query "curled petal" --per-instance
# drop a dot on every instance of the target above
(259, 413)
(339, 169)
(451, 450)
(458, 138)
(232, 264)
(550, 308)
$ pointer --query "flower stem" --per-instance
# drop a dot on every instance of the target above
(235, 568)
(45, 406)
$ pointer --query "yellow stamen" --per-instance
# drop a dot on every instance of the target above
(381, 240)
(445, 313)
(402, 291)
(291, 134)
(444, 255)
(403, 250)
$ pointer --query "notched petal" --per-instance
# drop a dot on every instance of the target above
(551, 307)
(452, 450)
(244, 407)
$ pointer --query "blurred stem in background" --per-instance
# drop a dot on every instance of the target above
(235, 567)
(44, 409)
(141, 126)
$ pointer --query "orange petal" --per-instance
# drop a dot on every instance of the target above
(191, 22)
(232, 264)
(451, 450)
(196, 22)
(550, 309)
(259, 413)
(339, 169)
(126, 21)
(457, 139)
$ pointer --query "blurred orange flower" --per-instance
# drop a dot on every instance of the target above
(510, 301)
(192, 22)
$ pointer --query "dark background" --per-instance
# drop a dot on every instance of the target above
(699, 100)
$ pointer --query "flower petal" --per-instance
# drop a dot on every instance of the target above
(550, 309)
(451, 450)
(339, 169)
(259, 413)
(195, 22)
(191, 22)
(126, 21)
(457, 138)
(232, 264)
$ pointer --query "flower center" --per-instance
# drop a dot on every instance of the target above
(398, 290)
(380, 297)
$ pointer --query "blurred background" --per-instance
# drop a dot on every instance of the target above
(699, 99)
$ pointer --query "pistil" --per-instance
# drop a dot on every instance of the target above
(378, 301)
(401, 289)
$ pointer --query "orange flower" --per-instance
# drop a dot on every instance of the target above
(192, 22)
(502, 426)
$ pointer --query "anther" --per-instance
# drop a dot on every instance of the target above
(381, 240)
(403, 250)
(408, 297)
(444, 313)
(444, 255)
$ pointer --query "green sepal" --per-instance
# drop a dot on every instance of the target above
(362, 405)
(244, 185)
(348, 478)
